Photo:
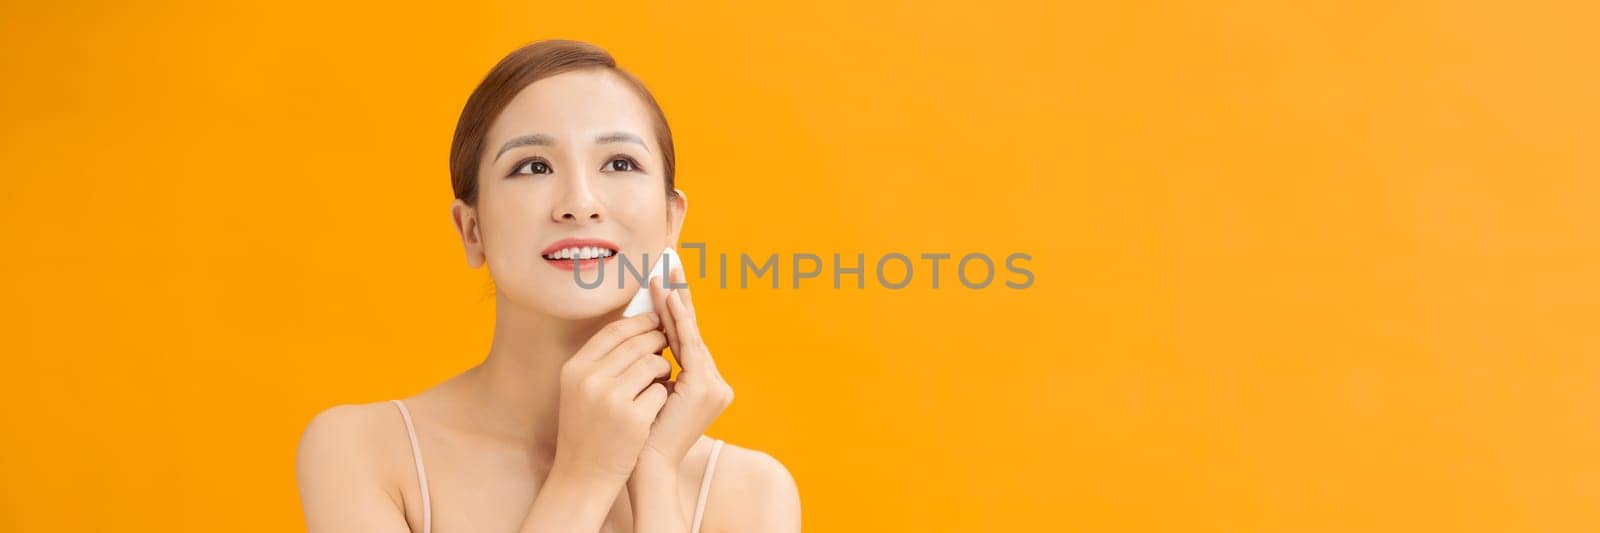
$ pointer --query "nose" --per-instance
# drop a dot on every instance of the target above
(577, 202)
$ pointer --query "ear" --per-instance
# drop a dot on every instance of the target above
(677, 208)
(466, 219)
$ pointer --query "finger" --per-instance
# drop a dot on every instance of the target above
(679, 280)
(613, 334)
(642, 373)
(652, 398)
(644, 344)
(658, 297)
(695, 358)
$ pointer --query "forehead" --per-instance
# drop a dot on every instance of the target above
(572, 106)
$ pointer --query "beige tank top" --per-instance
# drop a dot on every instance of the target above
(422, 475)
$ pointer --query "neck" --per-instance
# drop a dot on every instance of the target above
(517, 388)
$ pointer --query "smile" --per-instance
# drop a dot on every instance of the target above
(581, 252)
(567, 254)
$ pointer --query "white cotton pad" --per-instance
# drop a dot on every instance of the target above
(641, 303)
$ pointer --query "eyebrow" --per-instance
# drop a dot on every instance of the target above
(540, 139)
(621, 136)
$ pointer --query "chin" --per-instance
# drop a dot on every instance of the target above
(572, 303)
(579, 313)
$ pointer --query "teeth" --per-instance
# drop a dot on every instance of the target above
(581, 252)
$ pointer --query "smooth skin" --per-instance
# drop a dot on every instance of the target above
(570, 422)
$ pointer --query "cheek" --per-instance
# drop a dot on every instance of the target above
(637, 206)
(507, 233)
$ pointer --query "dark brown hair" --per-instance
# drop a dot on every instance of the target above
(515, 72)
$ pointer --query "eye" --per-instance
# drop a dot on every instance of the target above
(621, 164)
(531, 167)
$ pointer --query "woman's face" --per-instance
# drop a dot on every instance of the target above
(571, 162)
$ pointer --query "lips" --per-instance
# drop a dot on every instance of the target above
(570, 253)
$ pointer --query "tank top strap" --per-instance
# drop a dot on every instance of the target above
(422, 475)
(705, 485)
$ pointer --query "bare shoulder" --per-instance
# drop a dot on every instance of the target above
(751, 491)
(346, 433)
(343, 468)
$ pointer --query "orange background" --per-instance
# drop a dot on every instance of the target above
(1298, 267)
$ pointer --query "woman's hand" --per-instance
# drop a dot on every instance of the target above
(609, 398)
(699, 394)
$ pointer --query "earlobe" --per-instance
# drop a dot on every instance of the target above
(677, 209)
(465, 218)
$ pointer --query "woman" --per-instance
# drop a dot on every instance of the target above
(560, 161)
